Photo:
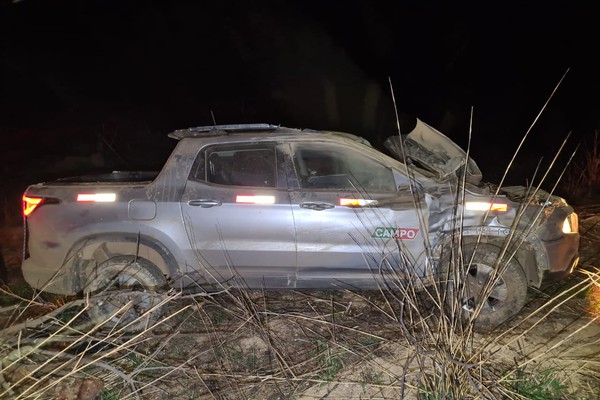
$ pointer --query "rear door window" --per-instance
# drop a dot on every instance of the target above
(237, 165)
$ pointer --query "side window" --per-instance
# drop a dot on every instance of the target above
(339, 167)
(237, 165)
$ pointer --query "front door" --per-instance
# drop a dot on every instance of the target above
(356, 219)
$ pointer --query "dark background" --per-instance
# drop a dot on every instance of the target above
(97, 85)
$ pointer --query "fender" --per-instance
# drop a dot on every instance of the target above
(92, 250)
(526, 255)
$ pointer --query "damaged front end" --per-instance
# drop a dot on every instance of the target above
(541, 229)
(557, 229)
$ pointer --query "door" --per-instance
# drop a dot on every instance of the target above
(356, 218)
(238, 217)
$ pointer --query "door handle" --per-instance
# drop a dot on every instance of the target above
(204, 203)
(317, 206)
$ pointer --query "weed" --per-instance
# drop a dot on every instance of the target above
(543, 385)
(370, 377)
(192, 395)
(244, 360)
(108, 395)
(425, 394)
(329, 363)
(369, 341)
(134, 359)
(22, 290)
(218, 352)
(217, 316)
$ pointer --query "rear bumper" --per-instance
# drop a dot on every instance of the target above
(51, 280)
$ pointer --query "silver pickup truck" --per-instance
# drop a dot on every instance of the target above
(263, 206)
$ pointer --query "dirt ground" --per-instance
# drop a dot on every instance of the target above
(340, 345)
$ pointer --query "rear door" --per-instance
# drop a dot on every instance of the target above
(238, 218)
(356, 218)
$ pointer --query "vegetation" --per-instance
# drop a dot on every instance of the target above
(300, 345)
(541, 385)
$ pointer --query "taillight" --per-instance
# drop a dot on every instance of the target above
(30, 204)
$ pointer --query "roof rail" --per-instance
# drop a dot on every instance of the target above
(219, 130)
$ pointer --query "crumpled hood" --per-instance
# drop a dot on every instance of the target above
(435, 152)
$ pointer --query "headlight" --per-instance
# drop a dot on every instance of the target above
(570, 224)
(566, 226)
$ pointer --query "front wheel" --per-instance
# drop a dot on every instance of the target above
(482, 290)
(124, 293)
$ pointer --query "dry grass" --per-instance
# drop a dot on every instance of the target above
(337, 344)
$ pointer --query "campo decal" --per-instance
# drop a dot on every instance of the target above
(383, 232)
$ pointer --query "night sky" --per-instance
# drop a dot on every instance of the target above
(80, 76)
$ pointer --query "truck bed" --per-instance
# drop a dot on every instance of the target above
(113, 177)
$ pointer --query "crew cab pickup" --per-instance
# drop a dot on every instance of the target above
(263, 206)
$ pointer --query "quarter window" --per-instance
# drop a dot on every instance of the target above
(237, 165)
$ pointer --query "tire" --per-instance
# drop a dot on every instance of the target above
(124, 293)
(498, 303)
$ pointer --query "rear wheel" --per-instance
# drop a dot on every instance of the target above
(477, 287)
(124, 293)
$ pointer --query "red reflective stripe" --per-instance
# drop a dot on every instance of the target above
(355, 202)
(96, 197)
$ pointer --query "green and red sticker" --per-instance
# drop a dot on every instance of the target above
(386, 232)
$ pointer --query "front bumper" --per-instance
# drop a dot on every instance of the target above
(557, 276)
(563, 253)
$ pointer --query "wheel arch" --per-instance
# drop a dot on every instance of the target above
(91, 251)
(524, 255)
